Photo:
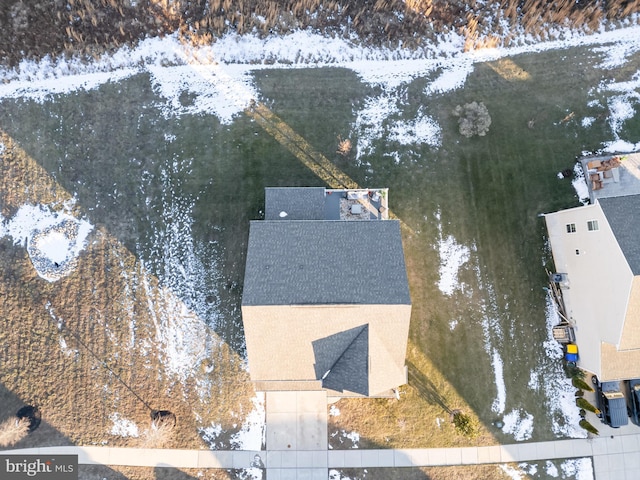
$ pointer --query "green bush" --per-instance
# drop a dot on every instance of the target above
(584, 403)
(575, 372)
(581, 384)
(465, 425)
(588, 427)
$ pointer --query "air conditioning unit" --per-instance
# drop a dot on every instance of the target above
(561, 279)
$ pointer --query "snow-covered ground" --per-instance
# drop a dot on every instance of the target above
(52, 235)
(575, 468)
(219, 75)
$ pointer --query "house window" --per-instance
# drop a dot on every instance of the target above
(571, 228)
(592, 225)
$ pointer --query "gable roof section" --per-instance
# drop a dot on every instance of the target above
(299, 203)
(623, 215)
(351, 369)
(325, 263)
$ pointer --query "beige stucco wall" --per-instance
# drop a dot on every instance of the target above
(279, 339)
(600, 280)
(631, 331)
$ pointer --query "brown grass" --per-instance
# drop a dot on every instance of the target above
(105, 368)
(421, 418)
(98, 472)
(475, 472)
(91, 27)
(13, 430)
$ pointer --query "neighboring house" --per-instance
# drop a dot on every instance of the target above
(597, 247)
(326, 300)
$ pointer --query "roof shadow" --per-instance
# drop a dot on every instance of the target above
(342, 360)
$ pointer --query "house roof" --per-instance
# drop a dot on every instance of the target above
(325, 262)
(623, 215)
(294, 203)
(350, 368)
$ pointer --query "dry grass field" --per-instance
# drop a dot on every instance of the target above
(69, 347)
(88, 28)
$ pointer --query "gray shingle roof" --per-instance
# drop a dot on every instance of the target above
(623, 215)
(351, 369)
(299, 203)
(325, 262)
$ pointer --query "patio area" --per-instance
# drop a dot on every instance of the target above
(612, 175)
(361, 204)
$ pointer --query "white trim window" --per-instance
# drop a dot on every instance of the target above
(571, 228)
(592, 225)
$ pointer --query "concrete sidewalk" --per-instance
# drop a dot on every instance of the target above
(614, 457)
(147, 457)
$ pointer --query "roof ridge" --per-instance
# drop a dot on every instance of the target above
(341, 356)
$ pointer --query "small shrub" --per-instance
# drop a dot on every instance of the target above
(156, 436)
(581, 384)
(344, 146)
(588, 427)
(575, 372)
(473, 119)
(584, 403)
(465, 425)
(13, 430)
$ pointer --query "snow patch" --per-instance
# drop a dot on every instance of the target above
(587, 121)
(500, 401)
(211, 433)
(579, 468)
(558, 390)
(580, 184)
(519, 424)
(423, 129)
(534, 381)
(123, 427)
(218, 75)
(551, 469)
(334, 411)
(369, 121)
(208, 87)
(54, 239)
(342, 435)
(452, 77)
(620, 110)
(452, 257)
(252, 434)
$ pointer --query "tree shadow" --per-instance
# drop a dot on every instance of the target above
(425, 387)
(46, 435)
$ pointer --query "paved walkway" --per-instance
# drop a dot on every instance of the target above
(297, 435)
(615, 457)
(297, 448)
